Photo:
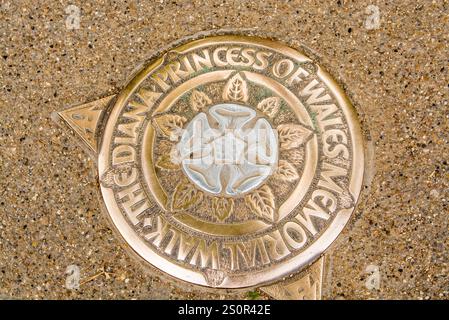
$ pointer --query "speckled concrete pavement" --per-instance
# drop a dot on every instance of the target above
(396, 73)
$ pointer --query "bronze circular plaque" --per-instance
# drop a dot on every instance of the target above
(231, 161)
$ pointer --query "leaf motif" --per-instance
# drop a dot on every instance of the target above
(269, 106)
(112, 176)
(185, 196)
(346, 199)
(170, 125)
(222, 207)
(107, 178)
(341, 162)
(165, 162)
(295, 156)
(262, 202)
(236, 89)
(286, 171)
(293, 135)
(214, 277)
(199, 100)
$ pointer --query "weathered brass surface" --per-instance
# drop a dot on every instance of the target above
(390, 57)
(306, 286)
(194, 221)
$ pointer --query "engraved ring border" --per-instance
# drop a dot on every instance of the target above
(248, 227)
(264, 276)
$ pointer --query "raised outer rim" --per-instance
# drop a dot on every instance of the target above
(283, 269)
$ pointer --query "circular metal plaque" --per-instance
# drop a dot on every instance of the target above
(231, 161)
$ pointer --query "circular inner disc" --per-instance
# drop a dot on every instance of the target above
(231, 161)
(230, 158)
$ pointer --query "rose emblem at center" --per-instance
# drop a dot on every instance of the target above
(228, 150)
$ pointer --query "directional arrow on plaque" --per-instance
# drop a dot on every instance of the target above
(83, 119)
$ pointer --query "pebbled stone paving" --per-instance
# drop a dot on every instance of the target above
(396, 75)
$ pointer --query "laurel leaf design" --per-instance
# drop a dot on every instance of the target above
(186, 196)
(269, 106)
(262, 202)
(236, 89)
(199, 100)
(293, 135)
(222, 207)
(170, 125)
(165, 162)
(286, 171)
